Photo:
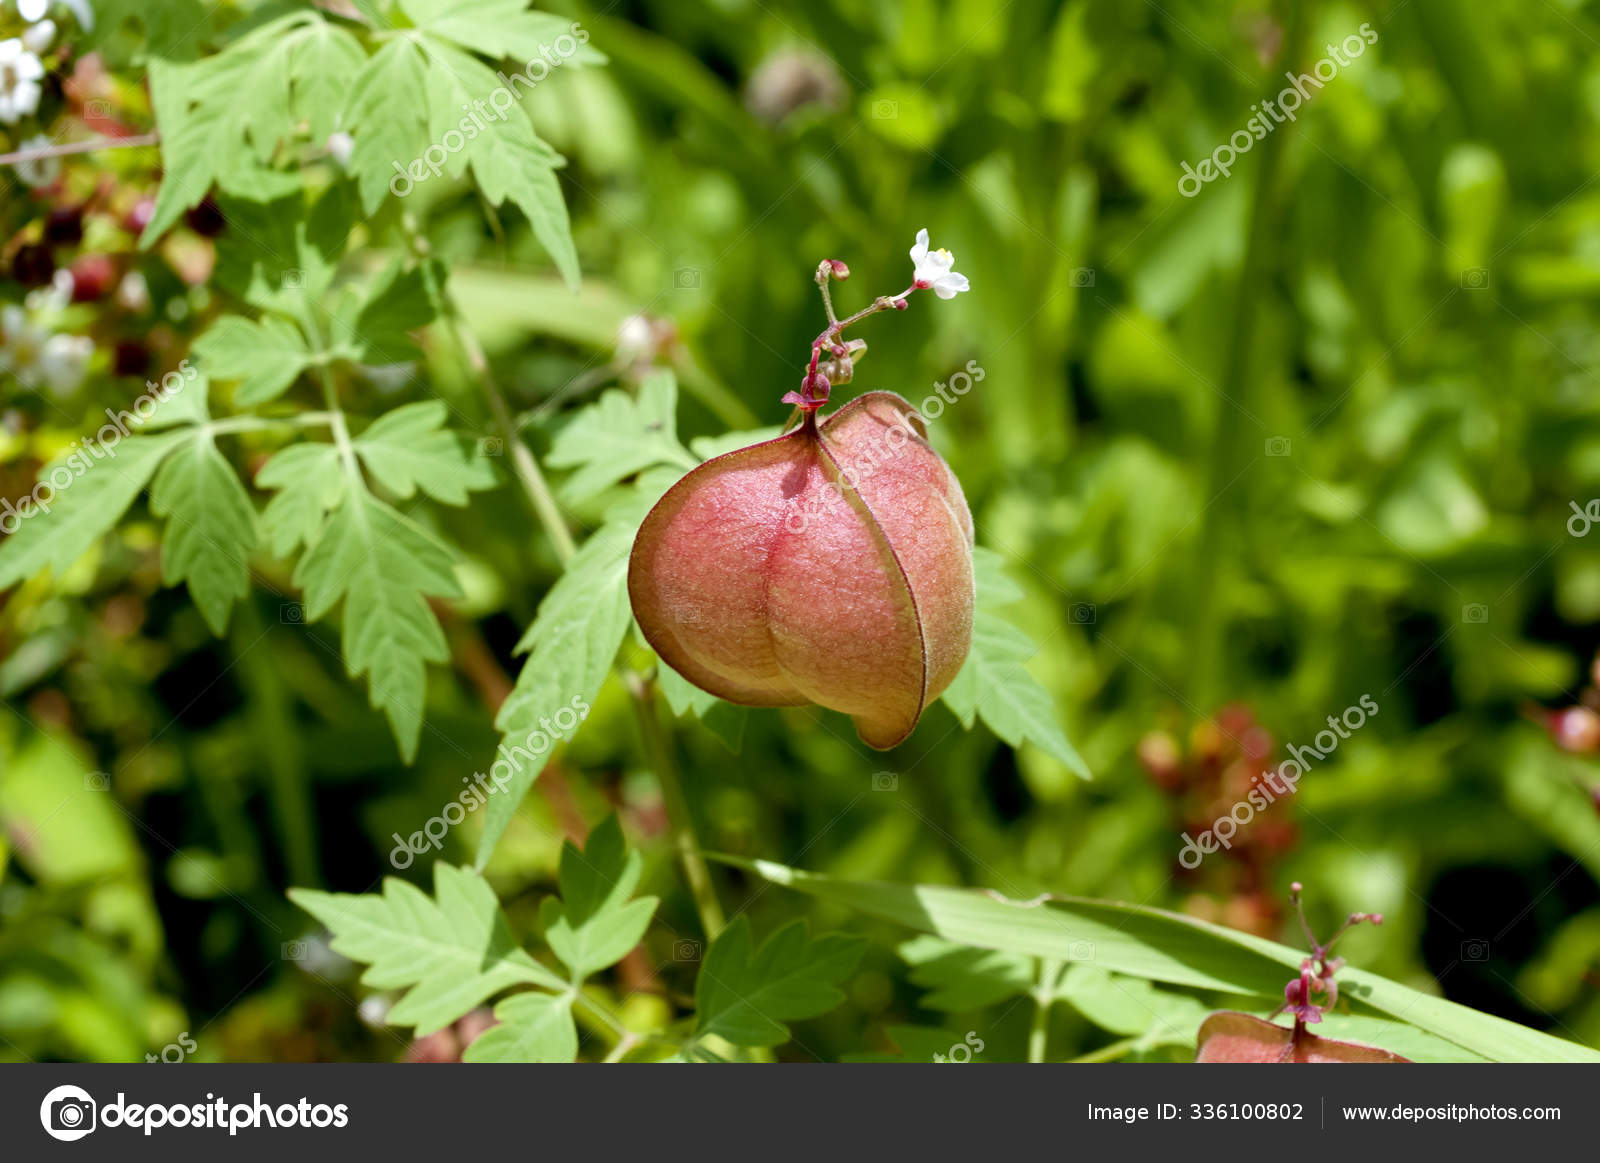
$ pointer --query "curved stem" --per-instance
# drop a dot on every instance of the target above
(529, 475)
(659, 749)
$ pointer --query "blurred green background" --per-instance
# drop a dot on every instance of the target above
(1312, 434)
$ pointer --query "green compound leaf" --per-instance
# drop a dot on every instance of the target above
(960, 978)
(211, 527)
(385, 120)
(322, 66)
(410, 449)
(450, 951)
(499, 28)
(93, 500)
(384, 568)
(746, 995)
(309, 481)
(620, 435)
(265, 357)
(534, 1027)
(508, 159)
(995, 685)
(398, 303)
(595, 924)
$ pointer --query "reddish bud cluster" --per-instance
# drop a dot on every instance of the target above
(1224, 759)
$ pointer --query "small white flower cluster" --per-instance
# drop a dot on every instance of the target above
(22, 79)
(40, 359)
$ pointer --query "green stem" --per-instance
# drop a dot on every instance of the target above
(659, 749)
(260, 423)
(529, 475)
(625, 1036)
(1218, 543)
(1043, 998)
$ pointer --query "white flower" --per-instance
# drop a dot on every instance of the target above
(84, 13)
(636, 339)
(64, 362)
(32, 10)
(339, 145)
(20, 71)
(932, 270)
(39, 171)
(37, 38)
(21, 344)
(133, 293)
(39, 359)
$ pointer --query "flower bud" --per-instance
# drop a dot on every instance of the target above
(832, 565)
(1576, 729)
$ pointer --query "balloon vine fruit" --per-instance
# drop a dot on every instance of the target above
(832, 565)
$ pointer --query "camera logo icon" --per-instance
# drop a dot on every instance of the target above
(1475, 279)
(67, 1113)
(296, 950)
(1475, 950)
(1082, 613)
(1083, 276)
(685, 950)
(294, 279)
(1475, 612)
(686, 279)
(292, 614)
(1277, 446)
(885, 781)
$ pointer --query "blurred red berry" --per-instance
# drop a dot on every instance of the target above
(139, 217)
(1256, 744)
(33, 265)
(94, 276)
(1158, 755)
(1576, 729)
(1235, 719)
(206, 219)
(64, 226)
(130, 357)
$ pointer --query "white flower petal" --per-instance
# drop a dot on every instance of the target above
(32, 10)
(84, 13)
(40, 171)
(920, 250)
(39, 37)
(950, 285)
